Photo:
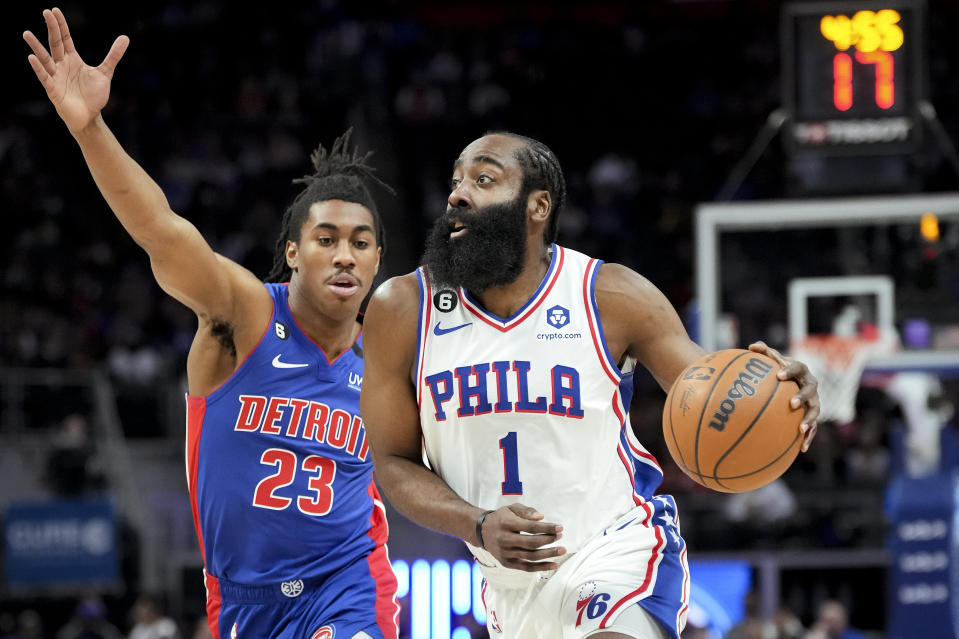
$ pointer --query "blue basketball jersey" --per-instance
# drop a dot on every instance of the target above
(278, 464)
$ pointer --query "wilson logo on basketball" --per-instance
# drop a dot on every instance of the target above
(743, 386)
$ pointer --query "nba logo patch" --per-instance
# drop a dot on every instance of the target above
(557, 316)
(326, 632)
(493, 622)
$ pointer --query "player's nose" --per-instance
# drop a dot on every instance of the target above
(343, 256)
(459, 198)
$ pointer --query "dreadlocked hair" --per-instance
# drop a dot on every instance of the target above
(339, 174)
(541, 171)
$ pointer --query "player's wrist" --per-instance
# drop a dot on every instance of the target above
(94, 127)
(479, 529)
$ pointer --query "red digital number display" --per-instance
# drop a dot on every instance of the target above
(873, 35)
(852, 75)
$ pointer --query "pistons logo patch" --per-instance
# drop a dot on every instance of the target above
(326, 632)
(292, 588)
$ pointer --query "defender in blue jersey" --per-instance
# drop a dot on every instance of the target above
(503, 374)
(280, 476)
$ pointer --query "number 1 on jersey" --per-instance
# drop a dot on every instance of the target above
(511, 484)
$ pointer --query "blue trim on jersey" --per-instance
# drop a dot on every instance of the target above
(626, 390)
(647, 478)
(599, 327)
(529, 302)
(420, 318)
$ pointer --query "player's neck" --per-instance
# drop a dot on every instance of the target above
(505, 300)
(334, 333)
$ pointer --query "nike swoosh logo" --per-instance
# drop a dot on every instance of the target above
(437, 330)
(278, 364)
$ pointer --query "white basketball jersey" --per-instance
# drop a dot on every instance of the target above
(531, 408)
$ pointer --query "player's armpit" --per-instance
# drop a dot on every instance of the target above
(639, 321)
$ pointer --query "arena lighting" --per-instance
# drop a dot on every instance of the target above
(929, 227)
(437, 592)
(439, 597)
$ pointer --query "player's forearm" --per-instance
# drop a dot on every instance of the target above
(422, 496)
(136, 200)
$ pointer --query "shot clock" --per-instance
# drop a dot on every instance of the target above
(853, 76)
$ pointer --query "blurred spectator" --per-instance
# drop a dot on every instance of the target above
(149, 620)
(89, 621)
(867, 462)
(823, 465)
(201, 630)
(72, 467)
(26, 625)
(787, 624)
(766, 506)
(752, 626)
(759, 516)
(832, 622)
(693, 631)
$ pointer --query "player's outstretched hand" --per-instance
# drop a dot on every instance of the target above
(516, 534)
(808, 396)
(78, 91)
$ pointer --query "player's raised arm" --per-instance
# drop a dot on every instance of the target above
(639, 321)
(184, 264)
(391, 416)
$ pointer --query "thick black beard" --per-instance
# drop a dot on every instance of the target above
(491, 253)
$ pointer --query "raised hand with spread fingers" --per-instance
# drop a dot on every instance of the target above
(77, 90)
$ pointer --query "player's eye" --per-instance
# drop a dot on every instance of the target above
(361, 244)
(455, 182)
(325, 240)
(484, 179)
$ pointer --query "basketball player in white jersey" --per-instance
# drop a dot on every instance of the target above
(496, 399)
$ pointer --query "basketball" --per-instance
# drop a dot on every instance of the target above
(728, 423)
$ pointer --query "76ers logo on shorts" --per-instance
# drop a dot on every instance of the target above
(326, 632)
(591, 602)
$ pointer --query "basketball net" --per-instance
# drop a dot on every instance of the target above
(838, 362)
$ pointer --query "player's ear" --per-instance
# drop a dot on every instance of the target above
(292, 252)
(539, 205)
